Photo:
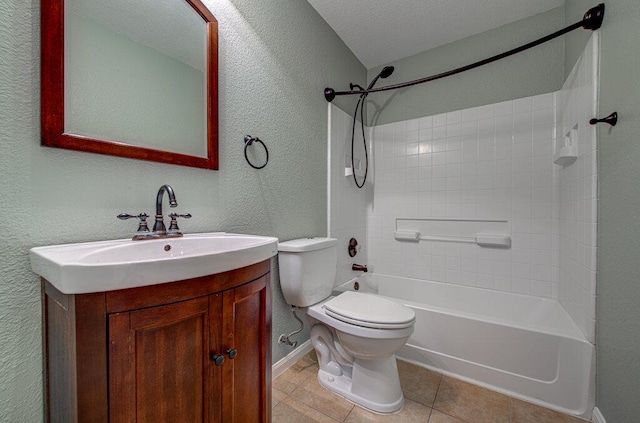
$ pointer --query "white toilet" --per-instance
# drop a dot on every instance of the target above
(355, 335)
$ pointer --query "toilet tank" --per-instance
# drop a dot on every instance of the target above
(307, 269)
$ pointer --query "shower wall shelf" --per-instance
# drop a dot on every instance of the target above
(348, 172)
(566, 148)
(350, 165)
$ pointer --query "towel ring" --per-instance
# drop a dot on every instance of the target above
(248, 140)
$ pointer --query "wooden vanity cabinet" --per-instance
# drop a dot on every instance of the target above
(191, 351)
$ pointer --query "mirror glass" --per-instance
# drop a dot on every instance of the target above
(138, 79)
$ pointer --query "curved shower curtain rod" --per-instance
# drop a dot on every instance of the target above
(592, 20)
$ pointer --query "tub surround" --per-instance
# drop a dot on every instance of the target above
(490, 163)
(496, 161)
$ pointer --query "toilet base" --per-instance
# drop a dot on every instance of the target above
(374, 384)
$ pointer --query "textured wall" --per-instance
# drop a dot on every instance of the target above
(275, 59)
(536, 71)
(618, 290)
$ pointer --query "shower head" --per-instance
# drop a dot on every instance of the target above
(384, 73)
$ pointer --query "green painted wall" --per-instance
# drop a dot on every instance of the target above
(535, 71)
(276, 57)
(618, 285)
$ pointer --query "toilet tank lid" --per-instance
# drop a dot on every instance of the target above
(306, 244)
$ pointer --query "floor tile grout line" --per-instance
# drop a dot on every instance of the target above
(430, 412)
(455, 417)
(445, 413)
(320, 411)
(510, 409)
(307, 405)
(350, 411)
(433, 405)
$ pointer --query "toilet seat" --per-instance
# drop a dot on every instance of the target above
(370, 311)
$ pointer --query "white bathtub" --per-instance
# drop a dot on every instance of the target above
(524, 346)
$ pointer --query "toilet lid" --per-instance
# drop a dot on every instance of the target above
(369, 310)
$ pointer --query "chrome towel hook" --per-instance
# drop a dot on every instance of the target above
(248, 140)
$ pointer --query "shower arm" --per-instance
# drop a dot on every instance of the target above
(592, 20)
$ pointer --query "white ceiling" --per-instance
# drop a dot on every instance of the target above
(381, 31)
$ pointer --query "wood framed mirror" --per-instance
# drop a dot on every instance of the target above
(136, 79)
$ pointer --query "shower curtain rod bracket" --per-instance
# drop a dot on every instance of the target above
(329, 94)
(591, 20)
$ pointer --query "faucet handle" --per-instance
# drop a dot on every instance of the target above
(142, 226)
(173, 225)
(125, 216)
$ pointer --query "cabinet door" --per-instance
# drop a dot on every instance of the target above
(246, 383)
(159, 367)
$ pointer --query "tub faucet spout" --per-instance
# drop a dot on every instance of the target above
(159, 227)
(359, 267)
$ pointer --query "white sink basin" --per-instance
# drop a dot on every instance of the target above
(120, 264)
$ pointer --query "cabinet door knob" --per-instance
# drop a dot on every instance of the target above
(218, 359)
(232, 353)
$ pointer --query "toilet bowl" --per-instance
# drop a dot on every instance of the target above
(355, 335)
(357, 357)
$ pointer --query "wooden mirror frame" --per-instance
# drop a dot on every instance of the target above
(52, 96)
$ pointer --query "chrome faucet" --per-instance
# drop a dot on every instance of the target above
(159, 229)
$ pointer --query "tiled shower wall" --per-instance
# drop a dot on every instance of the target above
(577, 193)
(488, 162)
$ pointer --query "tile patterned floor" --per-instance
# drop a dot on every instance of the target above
(429, 398)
